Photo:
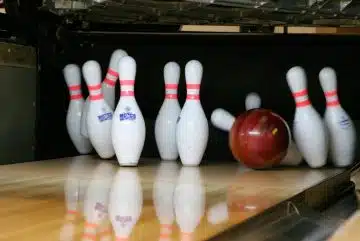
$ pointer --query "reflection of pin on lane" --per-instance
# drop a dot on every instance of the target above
(126, 202)
(163, 193)
(244, 198)
(225, 210)
(189, 201)
(218, 213)
(97, 199)
(75, 185)
(105, 231)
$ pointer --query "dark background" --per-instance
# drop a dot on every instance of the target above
(234, 65)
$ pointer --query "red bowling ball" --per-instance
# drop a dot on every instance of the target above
(259, 138)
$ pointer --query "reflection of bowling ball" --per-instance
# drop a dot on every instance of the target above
(259, 138)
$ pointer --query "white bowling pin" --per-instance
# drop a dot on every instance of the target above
(163, 197)
(72, 77)
(126, 202)
(189, 201)
(252, 101)
(99, 117)
(165, 124)
(128, 129)
(192, 131)
(308, 128)
(222, 119)
(96, 199)
(340, 127)
(109, 83)
(83, 128)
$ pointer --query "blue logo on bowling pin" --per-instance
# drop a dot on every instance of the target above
(344, 122)
(127, 115)
(105, 117)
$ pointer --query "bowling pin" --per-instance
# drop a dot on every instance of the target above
(308, 128)
(97, 199)
(163, 196)
(108, 85)
(99, 117)
(252, 101)
(192, 129)
(189, 201)
(128, 129)
(126, 201)
(83, 129)
(165, 124)
(72, 77)
(340, 127)
(222, 119)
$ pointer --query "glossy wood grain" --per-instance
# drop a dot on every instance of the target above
(33, 194)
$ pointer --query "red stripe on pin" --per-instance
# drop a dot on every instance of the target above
(127, 93)
(331, 93)
(192, 97)
(193, 86)
(110, 82)
(74, 87)
(332, 103)
(127, 82)
(171, 86)
(75, 97)
(94, 87)
(302, 103)
(300, 93)
(171, 96)
(112, 72)
(96, 97)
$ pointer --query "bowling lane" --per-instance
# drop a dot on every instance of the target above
(49, 200)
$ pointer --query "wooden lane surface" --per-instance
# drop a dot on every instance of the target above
(33, 206)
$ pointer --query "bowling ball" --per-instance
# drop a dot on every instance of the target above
(259, 138)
